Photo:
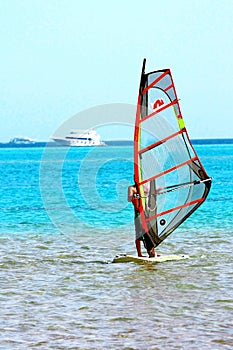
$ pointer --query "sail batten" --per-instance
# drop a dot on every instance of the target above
(155, 82)
(160, 142)
(176, 208)
(170, 178)
(167, 171)
(169, 87)
(158, 110)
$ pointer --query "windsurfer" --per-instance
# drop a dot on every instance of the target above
(140, 234)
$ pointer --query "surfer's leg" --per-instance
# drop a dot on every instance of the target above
(149, 245)
(151, 253)
(138, 233)
(138, 246)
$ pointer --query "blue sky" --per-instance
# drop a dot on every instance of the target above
(61, 57)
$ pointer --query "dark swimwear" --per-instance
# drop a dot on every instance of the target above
(140, 232)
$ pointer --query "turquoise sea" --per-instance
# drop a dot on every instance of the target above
(64, 216)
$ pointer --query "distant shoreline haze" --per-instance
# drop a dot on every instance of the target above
(112, 143)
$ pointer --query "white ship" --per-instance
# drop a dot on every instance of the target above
(80, 138)
(22, 141)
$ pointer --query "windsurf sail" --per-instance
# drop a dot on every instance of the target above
(171, 181)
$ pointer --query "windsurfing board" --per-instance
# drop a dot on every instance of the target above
(124, 258)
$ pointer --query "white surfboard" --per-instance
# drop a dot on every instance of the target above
(124, 258)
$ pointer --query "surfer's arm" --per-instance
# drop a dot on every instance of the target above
(131, 192)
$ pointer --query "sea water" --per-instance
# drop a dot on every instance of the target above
(64, 216)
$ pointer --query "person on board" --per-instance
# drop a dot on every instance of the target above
(140, 234)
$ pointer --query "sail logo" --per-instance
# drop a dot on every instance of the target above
(158, 103)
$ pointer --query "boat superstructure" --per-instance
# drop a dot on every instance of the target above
(80, 138)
